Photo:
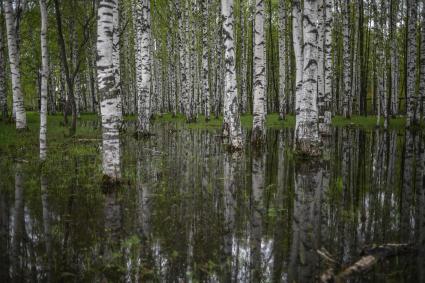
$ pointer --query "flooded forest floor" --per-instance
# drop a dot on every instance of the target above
(188, 210)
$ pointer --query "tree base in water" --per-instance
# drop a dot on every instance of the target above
(307, 148)
(110, 184)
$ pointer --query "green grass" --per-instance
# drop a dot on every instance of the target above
(273, 121)
(58, 134)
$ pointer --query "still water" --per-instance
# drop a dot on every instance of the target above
(189, 211)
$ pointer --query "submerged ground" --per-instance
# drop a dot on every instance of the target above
(190, 211)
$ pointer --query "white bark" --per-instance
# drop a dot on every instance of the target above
(116, 51)
(205, 65)
(347, 100)
(395, 72)
(282, 59)
(259, 115)
(109, 91)
(326, 114)
(44, 80)
(422, 63)
(3, 93)
(306, 127)
(143, 68)
(244, 63)
(411, 63)
(18, 98)
(231, 125)
(297, 33)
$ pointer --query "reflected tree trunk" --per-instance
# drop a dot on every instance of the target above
(306, 221)
(407, 186)
(257, 211)
(18, 227)
(46, 228)
(4, 237)
(420, 211)
(112, 229)
(229, 196)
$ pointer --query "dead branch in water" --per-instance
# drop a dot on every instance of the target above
(370, 257)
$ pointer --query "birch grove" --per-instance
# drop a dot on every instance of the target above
(197, 60)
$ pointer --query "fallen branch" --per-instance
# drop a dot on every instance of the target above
(370, 257)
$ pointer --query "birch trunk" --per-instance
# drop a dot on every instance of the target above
(116, 53)
(244, 63)
(297, 33)
(347, 100)
(395, 71)
(381, 66)
(144, 67)
(259, 115)
(231, 125)
(205, 65)
(422, 63)
(282, 59)
(325, 123)
(109, 91)
(306, 127)
(3, 91)
(18, 98)
(44, 80)
(411, 63)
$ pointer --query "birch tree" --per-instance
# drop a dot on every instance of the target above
(44, 80)
(116, 52)
(325, 116)
(18, 97)
(109, 91)
(306, 127)
(422, 63)
(231, 123)
(205, 65)
(144, 66)
(395, 72)
(347, 100)
(282, 59)
(259, 115)
(3, 91)
(297, 31)
(411, 63)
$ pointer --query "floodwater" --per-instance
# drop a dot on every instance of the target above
(189, 211)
